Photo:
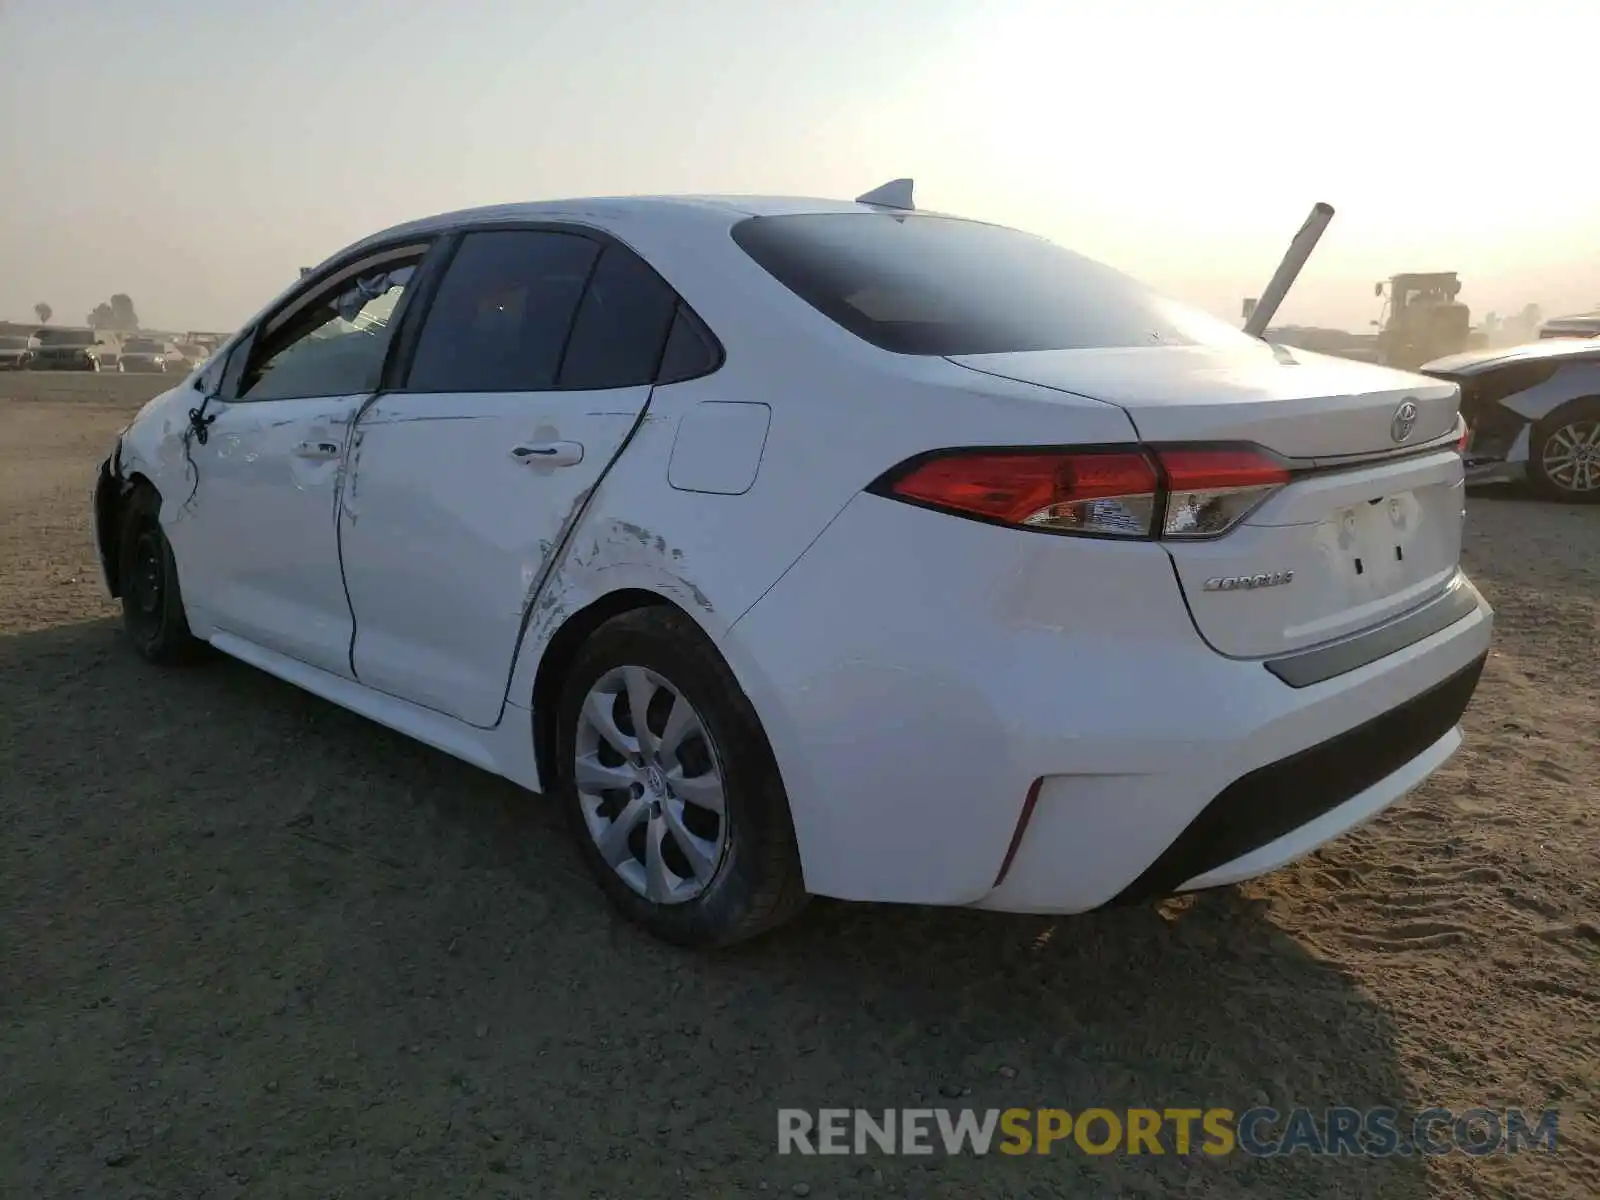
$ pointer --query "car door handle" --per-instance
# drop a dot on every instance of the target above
(317, 450)
(549, 454)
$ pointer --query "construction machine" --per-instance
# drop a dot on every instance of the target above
(1422, 319)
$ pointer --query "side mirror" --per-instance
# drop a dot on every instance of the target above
(1377, 289)
(1375, 324)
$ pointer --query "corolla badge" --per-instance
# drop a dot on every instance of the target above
(1248, 583)
(1405, 420)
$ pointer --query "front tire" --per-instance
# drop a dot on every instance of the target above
(1564, 454)
(152, 603)
(670, 786)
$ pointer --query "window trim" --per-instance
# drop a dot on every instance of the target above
(316, 288)
(686, 314)
(403, 347)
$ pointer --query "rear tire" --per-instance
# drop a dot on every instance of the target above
(152, 602)
(1564, 453)
(674, 864)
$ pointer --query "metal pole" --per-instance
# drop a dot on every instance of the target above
(1289, 269)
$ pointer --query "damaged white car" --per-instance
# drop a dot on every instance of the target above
(1534, 414)
(813, 547)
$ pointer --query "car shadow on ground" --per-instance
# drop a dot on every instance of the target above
(259, 938)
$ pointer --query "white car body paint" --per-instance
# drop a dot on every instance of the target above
(272, 578)
(439, 557)
(718, 447)
(1408, 545)
(915, 673)
(1298, 403)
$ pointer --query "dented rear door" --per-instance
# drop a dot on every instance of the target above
(527, 380)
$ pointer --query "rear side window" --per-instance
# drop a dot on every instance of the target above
(622, 325)
(930, 285)
(691, 351)
(503, 312)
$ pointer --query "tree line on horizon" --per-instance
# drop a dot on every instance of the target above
(117, 314)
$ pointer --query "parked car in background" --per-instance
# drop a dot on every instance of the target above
(16, 352)
(146, 355)
(1533, 412)
(67, 349)
(805, 546)
(191, 355)
(1582, 325)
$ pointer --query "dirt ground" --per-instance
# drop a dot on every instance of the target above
(253, 945)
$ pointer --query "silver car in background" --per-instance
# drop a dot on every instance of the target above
(147, 355)
(1533, 414)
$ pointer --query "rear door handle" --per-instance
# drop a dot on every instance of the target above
(549, 454)
(317, 450)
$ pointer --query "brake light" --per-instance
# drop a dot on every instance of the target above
(1115, 491)
(1098, 492)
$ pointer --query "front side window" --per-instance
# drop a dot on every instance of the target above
(503, 313)
(917, 284)
(334, 346)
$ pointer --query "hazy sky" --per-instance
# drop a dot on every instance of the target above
(195, 153)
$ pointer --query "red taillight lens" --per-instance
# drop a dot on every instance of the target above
(1101, 492)
(1210, 490)
(1108, 492)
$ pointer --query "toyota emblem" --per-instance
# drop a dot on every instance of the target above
(1405, 420)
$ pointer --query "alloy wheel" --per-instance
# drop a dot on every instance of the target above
(649, 783)
(1571, 457)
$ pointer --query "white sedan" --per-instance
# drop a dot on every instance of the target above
(803, 547)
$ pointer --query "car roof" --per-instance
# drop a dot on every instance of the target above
(605, 210)
(1474, 361)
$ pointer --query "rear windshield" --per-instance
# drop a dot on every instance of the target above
(13, 343)
(141, 346)
(930, 285)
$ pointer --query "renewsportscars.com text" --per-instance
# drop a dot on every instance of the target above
(1259, 1132)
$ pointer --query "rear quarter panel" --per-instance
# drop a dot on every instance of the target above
(842, 413)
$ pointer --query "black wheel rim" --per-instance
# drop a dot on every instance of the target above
(145, 583)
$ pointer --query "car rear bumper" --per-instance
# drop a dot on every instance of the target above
(1042, 730)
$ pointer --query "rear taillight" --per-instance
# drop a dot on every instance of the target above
(1211, 490)
(1112, 493)
(1116, 491)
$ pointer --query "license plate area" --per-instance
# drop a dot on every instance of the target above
(1367, 543)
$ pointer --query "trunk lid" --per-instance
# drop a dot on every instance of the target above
(1300, 404)
(1343, 546)
(1342, 550)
